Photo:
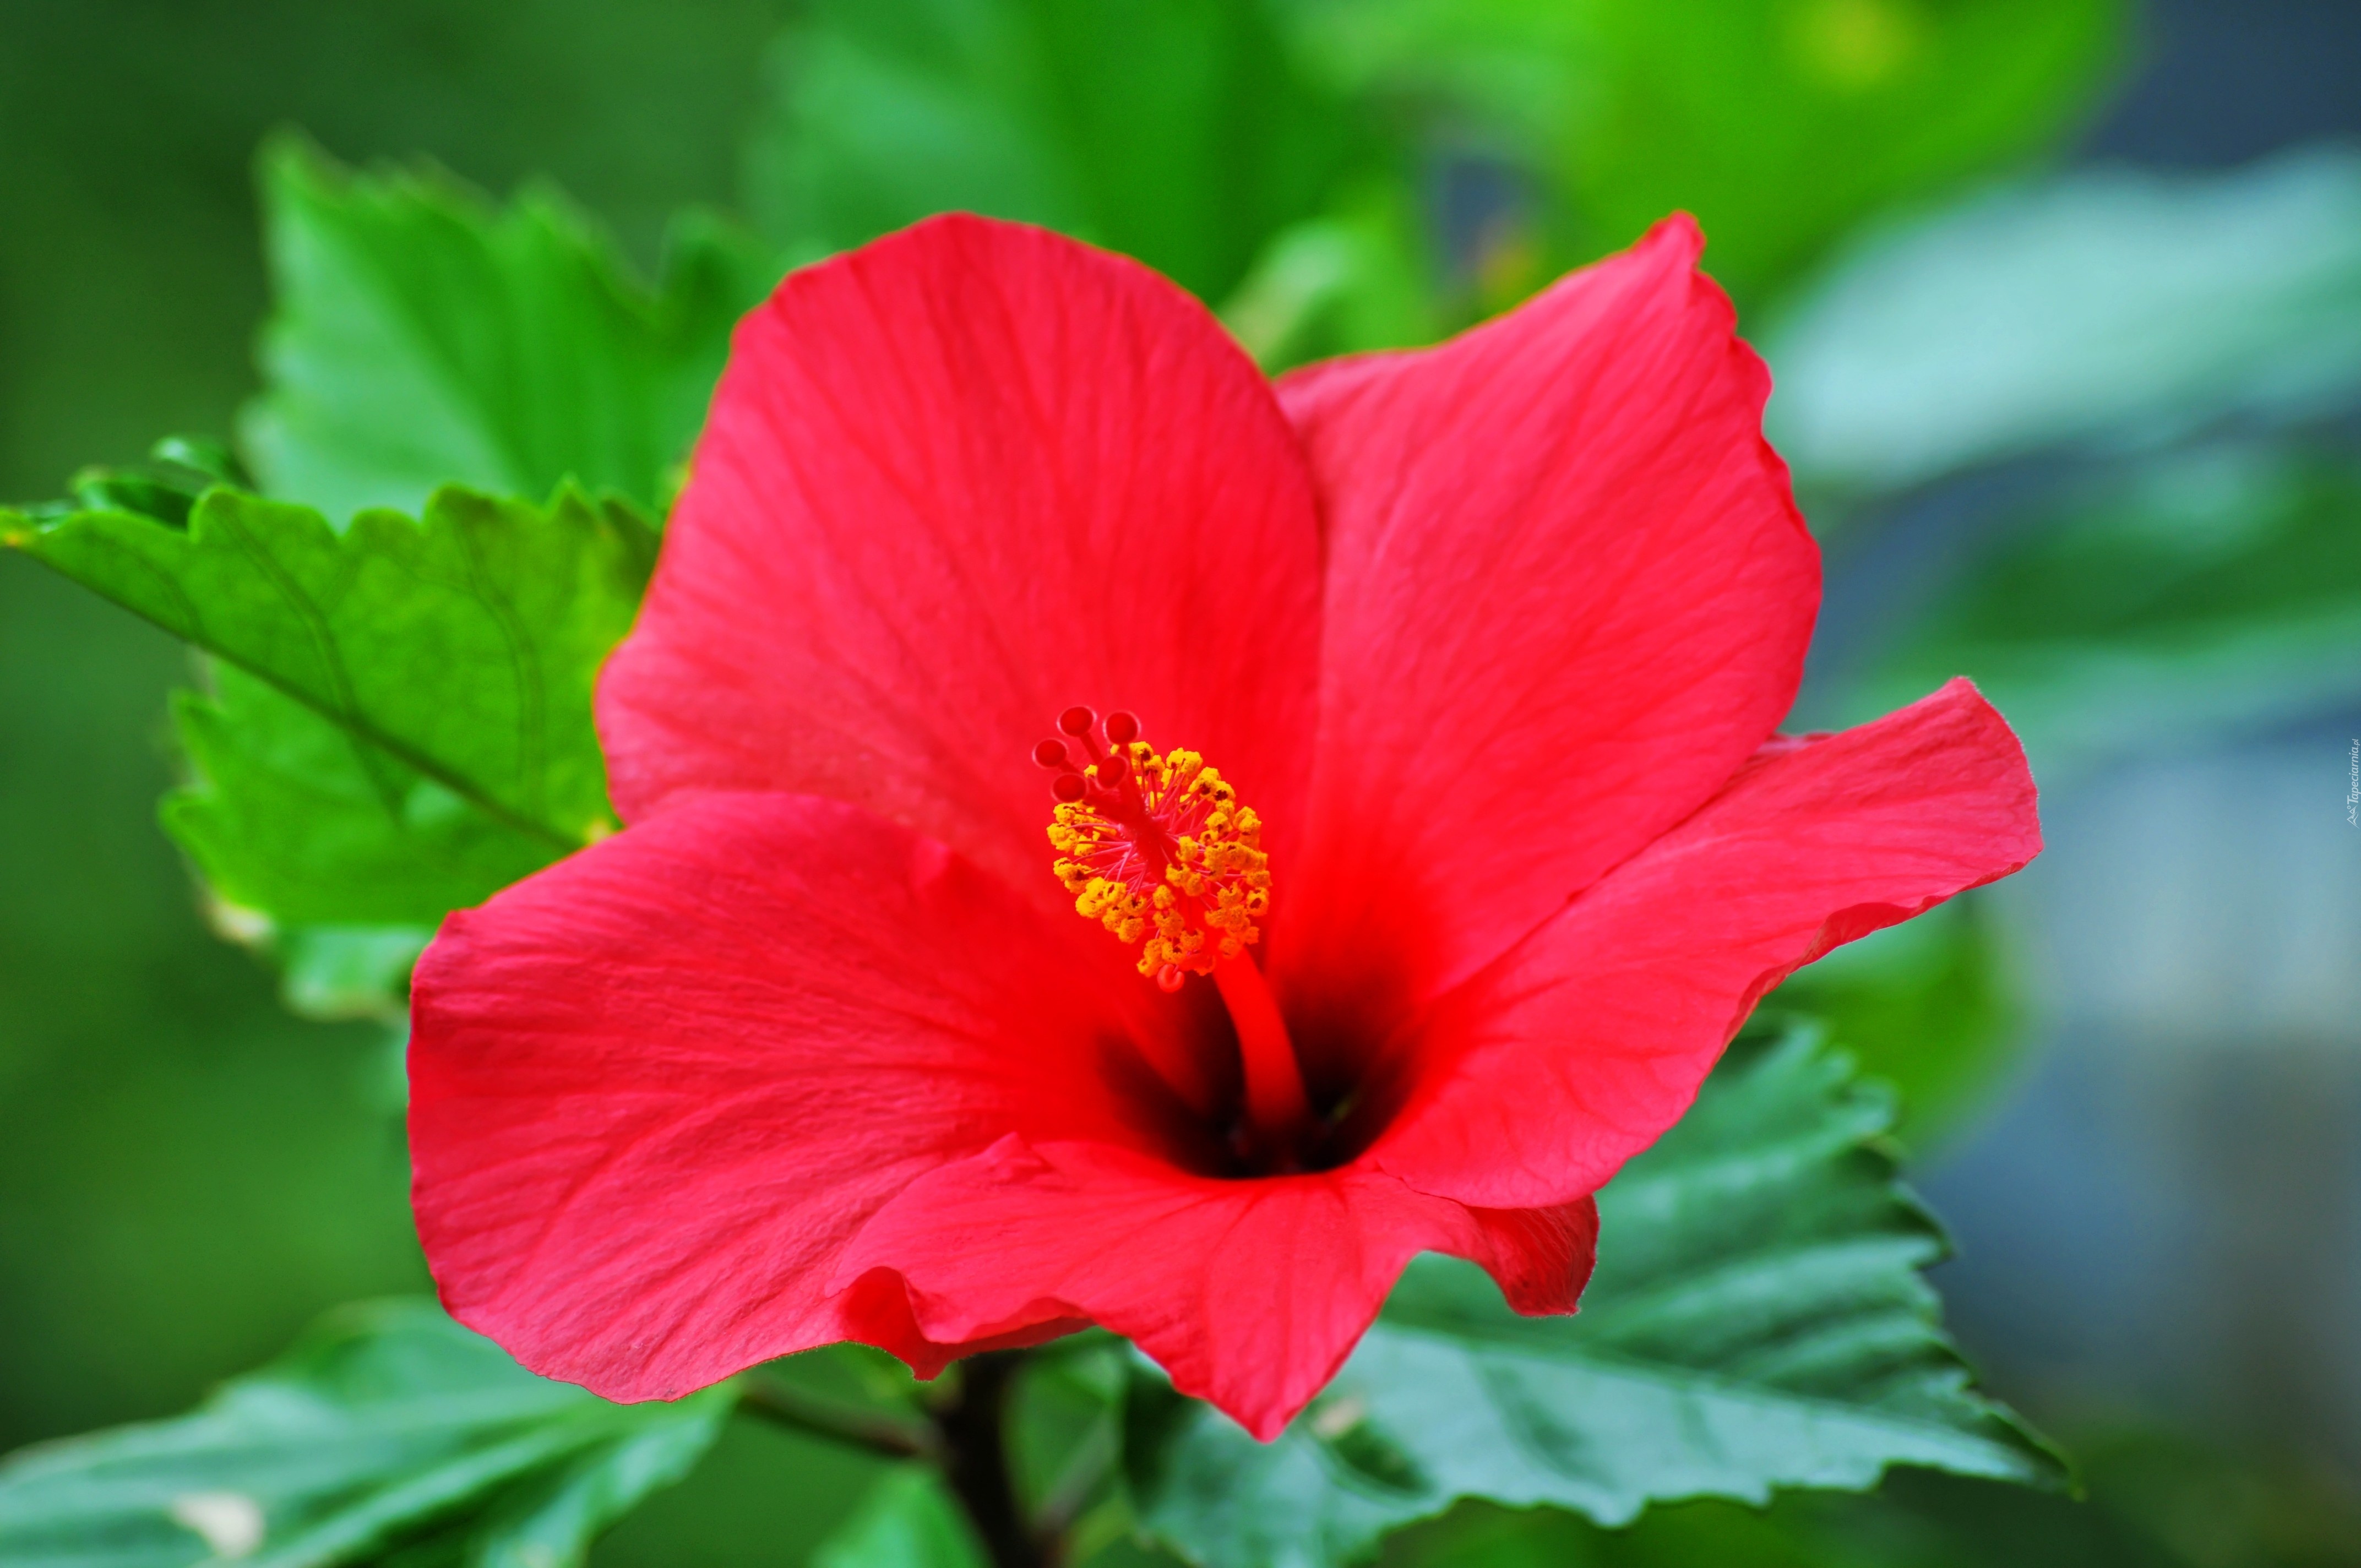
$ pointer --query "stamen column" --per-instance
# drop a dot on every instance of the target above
(1276, 1106)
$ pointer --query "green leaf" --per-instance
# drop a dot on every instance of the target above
(387, 1427)
(908, 1520)
(1175, 130)
(292, 815)
(1779, 123)
(322, 850)
(464, 646)
(2101, 306)
(400, 724)
(2154, 1501)
(1757, 1321)
(1684, 1535)
(2216, 589)
(422, 336)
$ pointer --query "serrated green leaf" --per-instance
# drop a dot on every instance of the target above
(1757, 1321)
(401, 719)
(388, 1427)
(292, 815)
(2099, 305)
(2218, 588)
(322, 850)
(463, 646)
(908, 1520)
(1779, 123)
(1175, 130)
(422, 336)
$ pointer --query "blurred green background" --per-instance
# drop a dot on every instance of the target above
(2064, 301)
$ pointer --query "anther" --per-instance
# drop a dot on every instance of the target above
(1157, 847)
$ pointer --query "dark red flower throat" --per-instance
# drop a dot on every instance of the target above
(1157, 847)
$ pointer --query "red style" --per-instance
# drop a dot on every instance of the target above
(1482, 648)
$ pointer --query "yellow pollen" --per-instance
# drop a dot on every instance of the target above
(1162, 853)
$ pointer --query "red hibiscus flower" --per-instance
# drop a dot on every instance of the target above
(1435, 840)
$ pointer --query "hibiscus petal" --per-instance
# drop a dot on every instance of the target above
(1540, 1259)
(656, 1088)
(1535, 1083)
(1568, 595)
(1249, 1293)
(953, 483)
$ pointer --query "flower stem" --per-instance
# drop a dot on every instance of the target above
(974, 1428)
(1276, 1106)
